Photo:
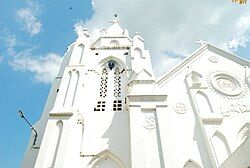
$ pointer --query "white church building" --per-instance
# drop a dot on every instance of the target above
(106, 109)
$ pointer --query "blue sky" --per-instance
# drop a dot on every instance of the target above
(34, 35)
(20, 88)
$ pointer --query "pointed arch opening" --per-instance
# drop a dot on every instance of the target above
(75, 87)
(138, 53)
(220, 147)
(55, 143)
(203, 103)
(191, 164)
(106, 159)
(243, 133)
(67, 88)
(112, 91)
(82, 52)
(71, 88)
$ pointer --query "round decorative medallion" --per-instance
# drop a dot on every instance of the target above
(213, 59)
(226, 84)
(180, 108)
(150, 122)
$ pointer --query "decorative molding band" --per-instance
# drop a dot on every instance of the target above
(61, 113)
(212, 119)
(147, 98)
(111, 48)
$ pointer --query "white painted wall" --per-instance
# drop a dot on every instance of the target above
(196, 115)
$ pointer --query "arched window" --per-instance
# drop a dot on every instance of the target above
(82, 52)
(112, 87)
(71, 88)
(55, 143)
(203, 103)
(106, 159)
(75, 87)
(117, 83)
(137, 63)
(244, 133)
(220, 146)
(103, 85)
(67, 89)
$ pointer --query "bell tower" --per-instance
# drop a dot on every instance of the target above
(106, 109)
(86, 120)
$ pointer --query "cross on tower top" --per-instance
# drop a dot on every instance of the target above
(115, 20)
(201, 42)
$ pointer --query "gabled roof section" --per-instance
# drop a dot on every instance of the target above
(115, 30)
(115, 33)
(198, 53)
(144, 75)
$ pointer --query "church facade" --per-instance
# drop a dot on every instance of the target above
(106, 109)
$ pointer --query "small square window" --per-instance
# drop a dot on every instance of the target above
(100, 106)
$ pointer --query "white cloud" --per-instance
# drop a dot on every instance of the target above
(45, 68)
(1, 58)
(165, 63)
(174, 26)
(235, 43)
(27, 17)
(244, 23)
(7, 39)
(78, 27)
(10, 41)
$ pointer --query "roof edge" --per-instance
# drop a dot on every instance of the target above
(179, 66)
(194, 54)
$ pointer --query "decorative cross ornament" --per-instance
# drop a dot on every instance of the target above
(201, 42)
(115, 20)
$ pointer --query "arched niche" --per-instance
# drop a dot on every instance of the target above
(75, 87)
(67, 88)
(191, 164)
(114, 43)
(106, 159)
(137, 53)
(55, 142)
(220, 147)
(194, 79)
(71, 88)
(243, 133)
(82, 47)
(203, 103)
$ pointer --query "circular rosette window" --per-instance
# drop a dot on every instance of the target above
(226, 84)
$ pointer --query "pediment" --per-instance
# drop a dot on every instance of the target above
(196, 55)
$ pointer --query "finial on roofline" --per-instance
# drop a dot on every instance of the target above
(115, 20)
